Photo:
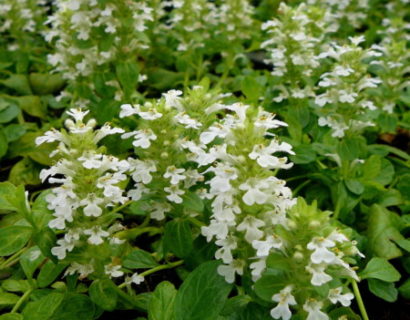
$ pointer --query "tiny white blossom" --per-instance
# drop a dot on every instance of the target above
(284, 299)
(335, 296)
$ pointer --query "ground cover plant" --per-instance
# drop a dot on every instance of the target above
(204, 160)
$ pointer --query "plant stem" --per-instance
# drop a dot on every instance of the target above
(13, 259)
(21, 300)
(359, 300)
(122, 206)
(196, 222)
(135, 232)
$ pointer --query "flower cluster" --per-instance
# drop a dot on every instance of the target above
(318, 254)
(89, 35)
(167, 146)
(247, 199)
(91, 183)
(343, 98)
(296, 37)
(21, 18)
(351, 12)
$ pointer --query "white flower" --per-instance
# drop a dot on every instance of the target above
(82, 269)
(175, 174)
(263, 155)
(91, 204)
(96, 235)
(253, 192)
(250, 225)
(227, 245)
(174, 193)
(159, 209)
(77, 114)
(141, 137)
(321, 254)
(319, 277)
(172, 98)
(215, 228)
(113, 271)
(135, 278)
(335, 296)
(128, 110)
(187, 121)
(141, 170)
(228, 271)
(51, 136)
(284, 299)
(61, 250)
(217, 130)
(263, 247)
(312, 307)
(106, 130)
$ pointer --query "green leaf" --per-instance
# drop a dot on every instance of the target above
(382, 230)
(202, 295)
(404, 243)
(379, 268)
(74, 307)
(104, 294)
(25, 172)
(9, 113)
(139, 259)
(271, 282)
(31, 260)
(127, 74)
(8, 299)
(12, 285)
(49, 273)
(351, 148)
(45, 83)
(383, 289)
(43, 308)
(178, 238)
(161, 304)
(45, 239)
(235, 303)
(14, 132)
(6, 189)
(251, 88)
(193, 202)
(405, 289)
(354, 186)
(11, 316)
(337, 314)
(19, 83)
(303, 154)
(3, 143)
(13, 238)
(41, 214)
(32, 105)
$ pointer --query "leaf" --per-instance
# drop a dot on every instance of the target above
(11, 316)
(193, 202)
(49, 273)
(379, 268)
(45, 239)
(74, 307)
(251, 88)
(161, 304)
(9, 113)
(178, 238)
(382, 230)
(383, 289)
(271, 282)
(127, 74)
(202, 295)
(8, 299)
(40, 212)
(19, 83)
(103, 294)
(43, 308)
(31, 260)
(3, 143)
(25, 172)
(351, 148)
(235, 303)
(32, 105)
(139, 259)
(12, 285)
(337, 314)
(303, 154)
(404, 243)
(354, 186)
(14, 132)
(45, 83)
(6, 189)
(13, 238)
(405, 289)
